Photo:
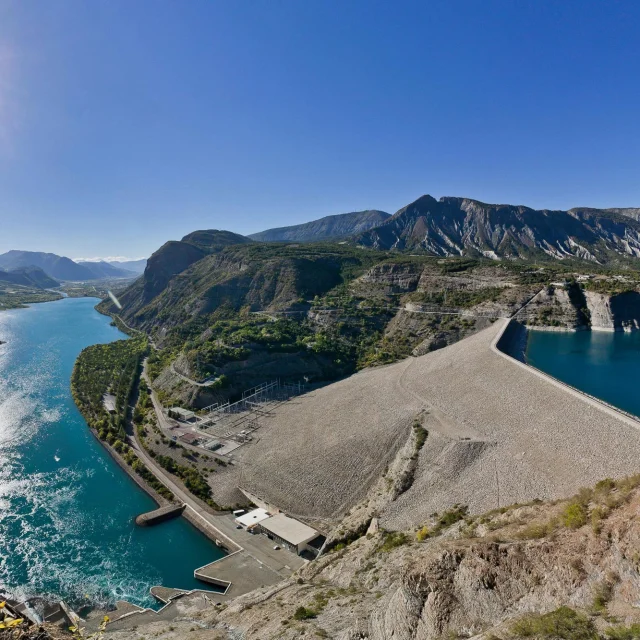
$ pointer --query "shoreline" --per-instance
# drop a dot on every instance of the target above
(626, 417)
(217, 538)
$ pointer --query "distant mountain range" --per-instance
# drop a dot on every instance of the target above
(102, 270)
(450, 226)
(209, 269)
(461, 226)
(28, 277)
(62, 268)
(55, 266)
(327, 228)
(137, 266)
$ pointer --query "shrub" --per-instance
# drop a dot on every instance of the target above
(623, 633)
(564, 623)
(422, 534)
(601, 596)
(451, 516)
(574, 515)
(393, 540)
(302, 613)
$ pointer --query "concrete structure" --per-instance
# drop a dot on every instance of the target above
(190, 438)
(287, 532)
(160, 515)
(181, 414)
(251, 519)
(109, 402)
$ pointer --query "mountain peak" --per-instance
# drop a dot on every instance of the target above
(455, 226)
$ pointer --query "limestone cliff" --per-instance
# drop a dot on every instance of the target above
(619, 312)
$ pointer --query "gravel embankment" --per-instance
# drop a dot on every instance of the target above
(321, 452)
(499, 434)
(541, 441)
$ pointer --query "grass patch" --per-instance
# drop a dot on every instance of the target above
(537, 530)
(563, 623)
(623, 633)
(303, 613)
(393, 540)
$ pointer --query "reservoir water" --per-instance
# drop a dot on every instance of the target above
(603, 364)
(66, 508)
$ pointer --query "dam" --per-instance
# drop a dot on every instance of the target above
(499, 433)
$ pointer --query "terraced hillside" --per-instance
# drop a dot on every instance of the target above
(225, 309)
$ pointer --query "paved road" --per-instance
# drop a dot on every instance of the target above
(189, 380)
(259, 548)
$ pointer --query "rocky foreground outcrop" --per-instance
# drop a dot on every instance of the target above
(489, 576)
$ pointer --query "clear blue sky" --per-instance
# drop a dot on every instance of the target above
(125, 123)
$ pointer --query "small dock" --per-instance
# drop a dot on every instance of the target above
(160, 515)
(237, 574)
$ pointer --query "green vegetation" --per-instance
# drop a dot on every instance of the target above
(623, 633)
(17, 297)
(574, 515)
(302, 613)
(139, 467)
(458, 298)
(443, 521)
(392, 540)
(563, 623)
(107, 368)
(193, 480)
(612, 286)
(602, 593)
(421, 435)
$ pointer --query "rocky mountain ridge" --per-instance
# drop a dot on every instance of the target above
(328, 228)
(462, 226)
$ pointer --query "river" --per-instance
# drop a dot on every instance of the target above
(66, 508)
(603, 364)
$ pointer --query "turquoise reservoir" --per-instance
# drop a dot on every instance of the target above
(66, 508)
(603, 364)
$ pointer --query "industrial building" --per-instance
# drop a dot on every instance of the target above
(289, 533)
(181, 414)
(252, 518)
(190, 438)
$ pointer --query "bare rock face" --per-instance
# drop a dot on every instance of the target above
(619, 312)
(474, 579)
(394, 278)
(461, 226)
(599, 306)
(553, 308)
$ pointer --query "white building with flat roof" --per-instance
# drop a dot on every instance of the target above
(181, 414)
(252, 518)
(109, 402)
(289, 533)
